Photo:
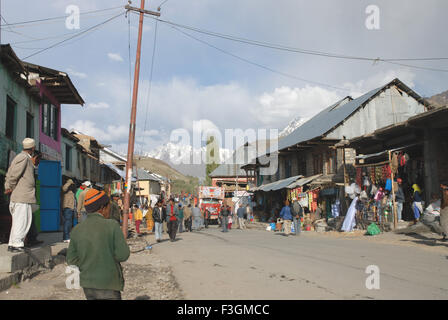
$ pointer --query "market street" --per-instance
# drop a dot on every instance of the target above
(257, 264)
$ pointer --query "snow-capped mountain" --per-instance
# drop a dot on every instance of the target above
(184, 158)
(292, 125)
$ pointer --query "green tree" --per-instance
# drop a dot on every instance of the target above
(212, 158)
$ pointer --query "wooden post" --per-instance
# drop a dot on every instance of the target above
(393, 191)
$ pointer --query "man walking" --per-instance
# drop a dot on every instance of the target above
(240, 213)
(172, 213)
(21, 186)
(158, 217)
(115, 210)
(286, 215)
(399, 199)
(297, 212)
(97, 247)
(180, 218)
(196, 212)
(187, 217)
(224, 218)
(68, 208)
(81, 210)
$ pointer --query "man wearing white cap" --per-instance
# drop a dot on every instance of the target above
(81, 210)
(21, 186)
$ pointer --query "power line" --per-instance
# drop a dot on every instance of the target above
(74, 36)
(160, 6)
(150, 83)
(259, 65)
(55, 18)
(307, 51)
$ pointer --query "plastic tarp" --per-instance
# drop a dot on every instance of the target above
(349, 221)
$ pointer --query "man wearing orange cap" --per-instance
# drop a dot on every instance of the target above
(97, 246)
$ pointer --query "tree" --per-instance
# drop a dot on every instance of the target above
(212, 158)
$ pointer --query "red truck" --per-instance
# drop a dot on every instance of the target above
(210, 199)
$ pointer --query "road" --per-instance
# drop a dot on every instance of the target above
(257, 264)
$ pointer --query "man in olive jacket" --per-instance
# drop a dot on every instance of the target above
(97, 247)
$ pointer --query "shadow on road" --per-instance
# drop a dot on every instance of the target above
(421, 239)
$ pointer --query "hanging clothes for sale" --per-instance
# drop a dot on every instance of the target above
(359, 176)
(388, 185)
(394, 161)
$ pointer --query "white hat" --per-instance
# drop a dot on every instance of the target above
(28, 143)
(87, 183)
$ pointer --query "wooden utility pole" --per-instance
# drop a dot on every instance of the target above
(130, 158)
(392, 177)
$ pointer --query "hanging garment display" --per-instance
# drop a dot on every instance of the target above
(349, 221)
(394, 167)
(336, 209)
(388, 185)
(303, 200)
(359, 176)
(378, 175)
(372, 175)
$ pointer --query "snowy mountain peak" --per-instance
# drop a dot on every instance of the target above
(292, 125)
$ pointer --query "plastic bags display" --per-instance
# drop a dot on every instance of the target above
(373, 230)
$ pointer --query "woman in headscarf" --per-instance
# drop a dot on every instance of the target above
(417, 204)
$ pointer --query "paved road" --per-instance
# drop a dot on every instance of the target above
(256, 264)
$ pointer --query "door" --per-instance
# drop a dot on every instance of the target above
(50, 195)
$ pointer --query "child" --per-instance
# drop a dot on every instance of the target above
(138, 218)
(230, 222)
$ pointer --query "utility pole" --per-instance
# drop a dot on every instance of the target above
(130, 158)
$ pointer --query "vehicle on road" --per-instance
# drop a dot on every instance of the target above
(210, 199)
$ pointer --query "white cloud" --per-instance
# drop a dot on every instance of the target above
(279, 107)
(115, 57)
(77, 74)
(112, 133)
(99, 105)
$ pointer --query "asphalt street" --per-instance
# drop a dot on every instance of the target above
(257, 264)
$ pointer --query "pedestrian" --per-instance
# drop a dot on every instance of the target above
(172, 213)
(81, 211)
(224, 218)
(286, 215)
(196, 212)
(297, 212)
(444, 212)
(158, 217)
(149, 218)
(206, 217)
(68, 209)
(399, 199)
(187, 218)
(138, 218)
(417, 204)
(20, 184)
(97, 247)
(115, 210)
(180, 218)
(164, 222)
(240, 213)
(248, 214)
(230, 223)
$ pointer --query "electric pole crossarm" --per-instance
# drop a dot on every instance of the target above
(130, 8)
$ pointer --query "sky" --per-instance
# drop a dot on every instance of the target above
(243, 87)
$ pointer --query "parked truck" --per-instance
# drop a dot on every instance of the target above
(210, 199)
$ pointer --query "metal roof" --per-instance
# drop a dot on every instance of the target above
(228, 170)
(333, 116)
(280, 184)
(303, 181)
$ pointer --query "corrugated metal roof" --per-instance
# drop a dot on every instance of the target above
(303, 181)
(228, 170)
(280, 184)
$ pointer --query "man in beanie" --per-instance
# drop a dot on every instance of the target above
(21, 186)
(97, 247)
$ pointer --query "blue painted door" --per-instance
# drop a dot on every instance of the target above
(50, 195)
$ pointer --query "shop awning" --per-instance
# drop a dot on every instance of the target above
(366, 156)
(277, 185)
(303, 181)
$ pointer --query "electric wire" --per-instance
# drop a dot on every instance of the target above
(258, 64)
(307, 51)
(150, 85)
(74, 36)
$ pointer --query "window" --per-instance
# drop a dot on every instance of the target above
(68, 158)
(29, 125)
(10, 118)
(50, 120)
